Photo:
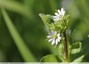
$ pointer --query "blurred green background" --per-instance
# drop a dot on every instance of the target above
(23, 34)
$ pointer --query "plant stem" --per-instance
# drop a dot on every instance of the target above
(65, 47)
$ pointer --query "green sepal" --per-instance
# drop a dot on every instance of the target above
(58, 25)
(66, 20)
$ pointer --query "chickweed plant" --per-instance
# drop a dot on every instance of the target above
(59, 37)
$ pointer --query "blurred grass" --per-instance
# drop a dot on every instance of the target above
(23, 14)
(15, 7)
(27, 55)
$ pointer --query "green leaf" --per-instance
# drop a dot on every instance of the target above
(76, 48)
(79, 59)
(24, 50)
(61, 51)
(46, 20)
(50, 58)
(49, 22)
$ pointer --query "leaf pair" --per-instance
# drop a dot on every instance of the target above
(75, 50)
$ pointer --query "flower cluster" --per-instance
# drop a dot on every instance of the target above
(54, 37)
(59, 32)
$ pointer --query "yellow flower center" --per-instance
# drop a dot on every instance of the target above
(55, 36)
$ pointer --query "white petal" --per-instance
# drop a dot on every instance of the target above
(56, 18)
(49, 36)
(56, 14)
(62, 12)
(50, 40)
(56, 41)
(58, 35)
(59, 12)
(53, 41)
(59, 38)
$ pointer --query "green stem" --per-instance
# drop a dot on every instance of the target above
(65, 47)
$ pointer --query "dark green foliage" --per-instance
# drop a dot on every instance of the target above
(24, 16)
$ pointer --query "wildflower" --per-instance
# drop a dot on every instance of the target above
(54, 37)
(59, 15)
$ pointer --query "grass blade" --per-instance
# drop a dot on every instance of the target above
(25, 52)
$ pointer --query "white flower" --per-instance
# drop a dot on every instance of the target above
(54, 37)
(59, 15)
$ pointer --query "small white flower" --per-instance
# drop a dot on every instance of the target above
(59, 15)
(54, 37)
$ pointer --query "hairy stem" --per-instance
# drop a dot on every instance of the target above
(65, 47)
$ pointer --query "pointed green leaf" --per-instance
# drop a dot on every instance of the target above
(50, 58)
(61, 51)
(79, 59)
(50, 23)
(76, 50)
(46, 19)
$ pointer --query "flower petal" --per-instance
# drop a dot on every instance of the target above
(59, 12)
(56, 41)
(50, 40)
(58, 35)
(49, 36)
(53, 41)
(62, 12)
(56, 14)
